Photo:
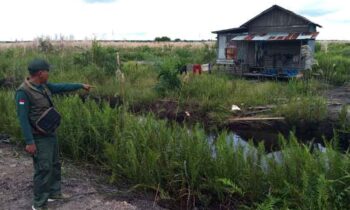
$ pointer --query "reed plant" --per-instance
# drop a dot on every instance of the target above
(183, 164)
(8, 119)
(333, 64)
(213, 94)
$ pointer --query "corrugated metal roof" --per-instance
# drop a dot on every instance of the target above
(275, 36)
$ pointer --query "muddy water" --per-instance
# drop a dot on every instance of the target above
(316, 133)
(238, 143)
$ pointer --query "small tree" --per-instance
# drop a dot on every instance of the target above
(162, 39)
(44, 44)
(168, 81)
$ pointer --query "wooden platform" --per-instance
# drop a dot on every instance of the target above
(246, 119)
(266, 76)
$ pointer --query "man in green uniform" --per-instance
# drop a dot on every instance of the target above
(33, 98)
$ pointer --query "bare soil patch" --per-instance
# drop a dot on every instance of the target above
(86, 187)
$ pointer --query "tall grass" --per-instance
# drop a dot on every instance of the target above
(213, 94)
(8, 119)
(182, 164)
(310, 109)
(333, 65)
(294, 99)
(178, 162)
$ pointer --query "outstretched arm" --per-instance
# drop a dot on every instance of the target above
(66, 87)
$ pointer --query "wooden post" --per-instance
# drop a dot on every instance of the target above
(118, 61)
(121, 80)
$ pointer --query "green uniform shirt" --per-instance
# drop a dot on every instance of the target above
(23, 105)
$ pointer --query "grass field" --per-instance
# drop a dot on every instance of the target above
(177, 162)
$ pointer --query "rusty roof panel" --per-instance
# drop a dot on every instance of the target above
(274, 36)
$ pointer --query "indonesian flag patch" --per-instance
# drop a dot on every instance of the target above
(21, 101)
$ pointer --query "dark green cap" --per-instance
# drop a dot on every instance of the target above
(38, 64)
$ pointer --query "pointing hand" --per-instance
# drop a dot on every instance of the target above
(87, 87)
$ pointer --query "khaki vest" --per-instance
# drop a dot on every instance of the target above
(39, 102)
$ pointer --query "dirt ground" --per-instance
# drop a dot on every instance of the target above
(84, 186)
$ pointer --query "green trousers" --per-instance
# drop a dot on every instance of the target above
(47, 170)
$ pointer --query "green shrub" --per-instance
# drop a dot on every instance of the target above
(103, 57)
(333, 66)
(168, 81)
(309, 109)
(45, 45)
(183, 164)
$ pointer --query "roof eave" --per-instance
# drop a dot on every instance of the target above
(231, 30)
(317, 25)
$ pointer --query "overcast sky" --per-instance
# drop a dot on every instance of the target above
(147, 19)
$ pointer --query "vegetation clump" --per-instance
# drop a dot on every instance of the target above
(181, 163)
(162, 39)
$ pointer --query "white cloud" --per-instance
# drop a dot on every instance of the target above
(140, 19)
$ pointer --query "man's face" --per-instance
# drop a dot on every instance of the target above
(44, 76)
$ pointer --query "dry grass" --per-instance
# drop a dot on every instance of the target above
(121, 44)
(326, 43)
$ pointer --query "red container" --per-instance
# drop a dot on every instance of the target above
(197, 68)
